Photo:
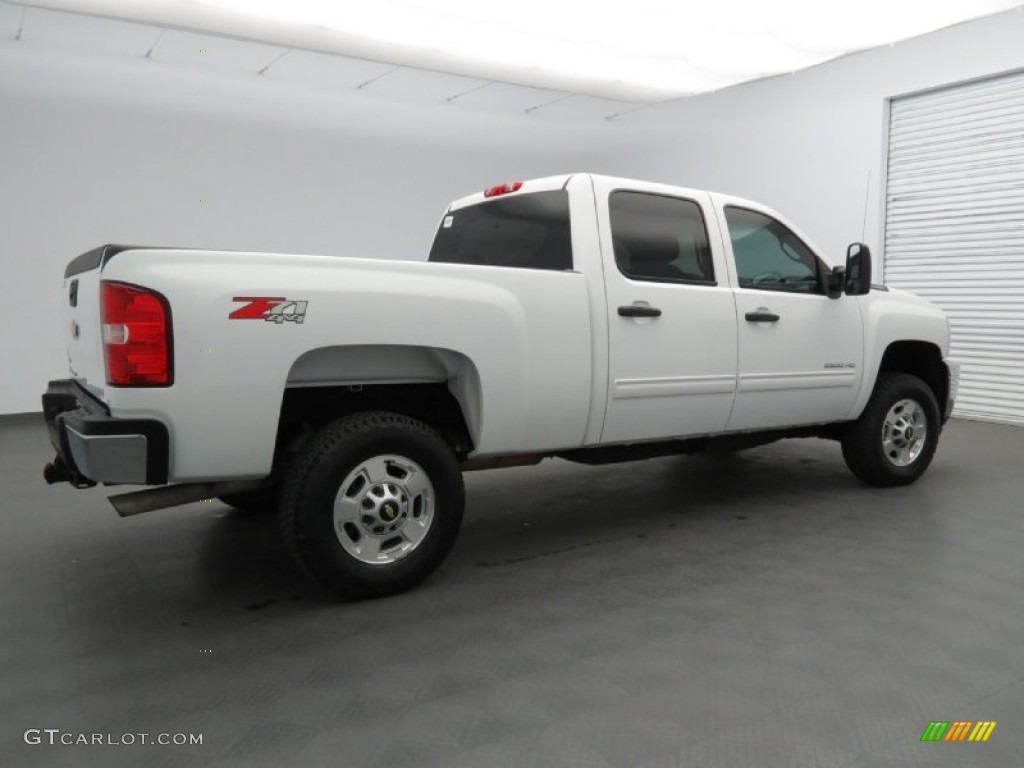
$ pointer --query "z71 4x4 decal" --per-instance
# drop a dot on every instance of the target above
(273, 309)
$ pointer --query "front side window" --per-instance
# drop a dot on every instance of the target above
(527, 231)
(769, 256)
(659, 238)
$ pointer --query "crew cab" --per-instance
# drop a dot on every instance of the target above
(585, 317)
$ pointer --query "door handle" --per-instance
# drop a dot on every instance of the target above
(762, 315)
(639, 310)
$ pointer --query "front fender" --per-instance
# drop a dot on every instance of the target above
(892, 316)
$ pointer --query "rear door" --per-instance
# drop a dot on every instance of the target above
(801, 353)
(671, 313)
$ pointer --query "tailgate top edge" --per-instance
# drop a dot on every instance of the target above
(96, 258)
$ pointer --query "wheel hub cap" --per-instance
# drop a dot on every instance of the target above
(904, 432)
(383, 509)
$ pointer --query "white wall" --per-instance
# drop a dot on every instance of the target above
(105, 151)
(97, 152)
(806, 143)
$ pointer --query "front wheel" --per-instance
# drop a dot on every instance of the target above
(894, 440)
(373, 504)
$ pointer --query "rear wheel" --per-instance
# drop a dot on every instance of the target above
(373, 504)
(894, 440)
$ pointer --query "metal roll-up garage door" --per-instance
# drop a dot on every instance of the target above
(954, 229)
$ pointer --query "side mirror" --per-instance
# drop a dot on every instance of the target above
(835, 282)
(858, 269)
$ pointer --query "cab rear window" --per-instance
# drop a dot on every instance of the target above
(527, 231)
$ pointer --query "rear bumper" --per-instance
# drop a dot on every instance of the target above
(94, 447)
(953, 367)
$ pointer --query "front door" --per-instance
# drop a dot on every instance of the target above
(671, 317)
(801, 353)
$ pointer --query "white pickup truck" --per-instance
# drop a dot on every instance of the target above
(590, 318)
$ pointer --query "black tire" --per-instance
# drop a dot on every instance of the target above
(862, 440)
(314, 480)
(262, 502)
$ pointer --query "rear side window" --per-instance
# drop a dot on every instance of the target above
(660, 238)
(527, 231)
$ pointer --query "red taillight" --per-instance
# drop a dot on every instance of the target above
(136, 335)
(503, 189)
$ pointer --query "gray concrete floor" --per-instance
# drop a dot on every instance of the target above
(761, 609)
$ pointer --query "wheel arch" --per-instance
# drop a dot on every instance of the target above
(922, 359)
(440, 387)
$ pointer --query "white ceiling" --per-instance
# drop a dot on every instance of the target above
(102, 37)
(643, 51)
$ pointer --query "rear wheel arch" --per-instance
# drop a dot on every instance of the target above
(306, 409)
(438, 386)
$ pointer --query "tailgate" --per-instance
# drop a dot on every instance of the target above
(81, 317)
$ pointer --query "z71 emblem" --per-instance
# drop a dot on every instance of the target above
(273, 309)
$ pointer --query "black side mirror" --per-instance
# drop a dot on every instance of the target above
(835, 282)
(858, 269)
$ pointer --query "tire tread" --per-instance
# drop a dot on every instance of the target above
(329, 439)
(861, 449)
